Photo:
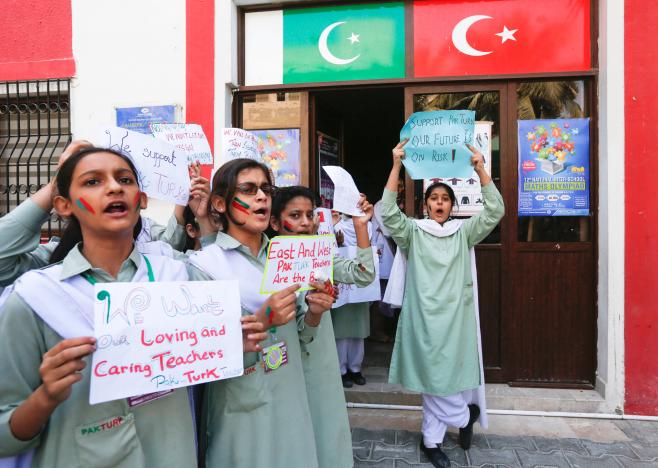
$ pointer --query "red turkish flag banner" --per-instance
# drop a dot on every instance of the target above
(494, 37)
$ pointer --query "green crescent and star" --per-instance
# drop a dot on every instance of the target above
(351, 42)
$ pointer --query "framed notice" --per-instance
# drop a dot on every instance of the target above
(328, 155)
(468, 191)
(140, 118)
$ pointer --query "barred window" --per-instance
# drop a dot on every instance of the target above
(34, 130)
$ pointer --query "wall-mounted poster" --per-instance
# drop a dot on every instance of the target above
(139, 119)
(279, 150)
(554, 167)
(468, 190)
(329, 155)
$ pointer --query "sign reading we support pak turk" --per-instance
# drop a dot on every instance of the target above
(154, 337)
(162, 167)
(298, 260)
(437, 144)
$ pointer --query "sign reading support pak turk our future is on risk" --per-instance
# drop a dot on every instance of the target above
(436, 144)
(155, 337)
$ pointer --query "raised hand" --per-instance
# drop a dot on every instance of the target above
(253, 332)
(398, 152)
(281, 307)
(61, 366)
(367, 209)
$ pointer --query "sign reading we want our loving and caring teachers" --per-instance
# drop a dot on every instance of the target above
(298, 260)
(155, 337)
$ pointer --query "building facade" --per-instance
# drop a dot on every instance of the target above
(565, 301)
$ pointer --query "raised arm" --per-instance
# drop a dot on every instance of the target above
(479, 226)
(394, 220)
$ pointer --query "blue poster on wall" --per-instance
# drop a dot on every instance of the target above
(554, 167)
(138, 119)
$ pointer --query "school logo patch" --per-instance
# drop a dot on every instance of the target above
(103, 426)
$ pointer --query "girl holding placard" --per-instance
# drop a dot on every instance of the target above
(46, 328)
(261, 418)
(292, 214)
(437, 347)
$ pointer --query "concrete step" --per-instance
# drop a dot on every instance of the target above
(499, 396)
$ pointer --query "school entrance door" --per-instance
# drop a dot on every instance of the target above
(536, 276)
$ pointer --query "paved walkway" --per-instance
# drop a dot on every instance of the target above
(510, 441)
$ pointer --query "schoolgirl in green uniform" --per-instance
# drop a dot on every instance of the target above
(292, 214)
(263, 417)
(46, 327)
(438, 348)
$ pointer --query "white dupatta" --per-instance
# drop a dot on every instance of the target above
(394, 295)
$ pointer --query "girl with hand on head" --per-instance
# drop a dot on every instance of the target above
(292, 214)
(437, 347)
(261, 418)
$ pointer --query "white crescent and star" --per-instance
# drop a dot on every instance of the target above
(324, 49)
(461, 29)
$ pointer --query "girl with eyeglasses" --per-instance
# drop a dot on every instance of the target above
(263, 417)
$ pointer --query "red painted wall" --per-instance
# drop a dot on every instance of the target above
(200, 74)
(35, 39)
(641, 283)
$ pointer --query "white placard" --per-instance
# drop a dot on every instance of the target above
(238, 143)
(346, 195)
(351, 293)
(162, 167)
(297, 260)
(153, 337)
(325, 222)
(188, 138)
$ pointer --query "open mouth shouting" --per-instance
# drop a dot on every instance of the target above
(116, 209)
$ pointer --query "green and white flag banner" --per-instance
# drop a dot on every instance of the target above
(339, 43)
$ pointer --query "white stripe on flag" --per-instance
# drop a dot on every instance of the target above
(263, 32)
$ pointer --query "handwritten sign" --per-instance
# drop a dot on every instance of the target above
(436, 146)
(297, 260)
(162, 168)
(325, 223)
(188, 138)
(346, 195)
(153, 337)
(351, 293)
(468, 191)
(238, 143)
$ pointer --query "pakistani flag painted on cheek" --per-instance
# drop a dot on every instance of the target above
(339, 43)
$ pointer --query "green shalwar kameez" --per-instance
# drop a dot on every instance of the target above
(261, 419)
(157, 434)
(436, 348)
(326, 397)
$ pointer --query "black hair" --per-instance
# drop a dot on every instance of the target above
(189, 218)
(285, 194)
(224, 183)
(72, 233)
(436, 185)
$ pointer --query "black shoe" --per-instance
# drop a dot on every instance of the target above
(435, 455)
(347, 381)
(466, 433)
(357, 377)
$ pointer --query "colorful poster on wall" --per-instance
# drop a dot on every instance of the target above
(554, 167)
(329, 155)
(139, 119)
(279, 150)
(468, 190)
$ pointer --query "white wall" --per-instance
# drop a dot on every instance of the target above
(610, 340)
(127, 53)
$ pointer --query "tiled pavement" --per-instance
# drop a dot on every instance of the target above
(637, 447)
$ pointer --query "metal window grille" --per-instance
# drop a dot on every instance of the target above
(35, 127)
